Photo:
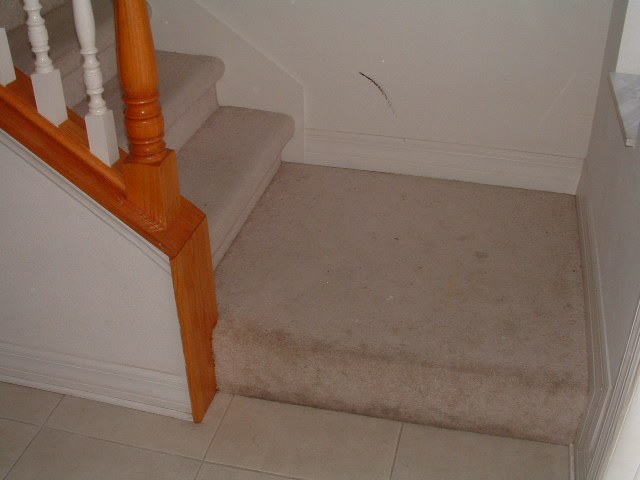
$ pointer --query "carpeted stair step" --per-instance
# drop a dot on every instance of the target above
(443, 303)
(239, 149)
(65, 50)
(187, 82)
(187, 93)
(228, 163)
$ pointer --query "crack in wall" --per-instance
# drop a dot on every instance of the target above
(381, 90)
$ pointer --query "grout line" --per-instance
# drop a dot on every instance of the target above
(235, 466)
(121, 444)
(395, 454)
(9, 419)
(572, 462)
(202, 462)
(224, 414)
(115, 442)
(34, 437)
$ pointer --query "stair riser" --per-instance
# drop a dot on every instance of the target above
(221, 238)
(187, 124)
(441, 397)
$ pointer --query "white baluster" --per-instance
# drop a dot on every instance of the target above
(47, 83)
(100, 124)
(7, 72)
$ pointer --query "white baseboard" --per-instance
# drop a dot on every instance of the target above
(132, 387)
(600, 393)
(443, 160)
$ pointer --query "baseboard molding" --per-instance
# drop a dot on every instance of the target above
(132, 387)
(600, 393)
(442, 160)
(616, 408)
(609, 400)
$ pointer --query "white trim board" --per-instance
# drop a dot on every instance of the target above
(107, 382)
(442, 160)
(615, 410)
(600, 393)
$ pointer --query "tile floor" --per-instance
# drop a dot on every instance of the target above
(48, 436)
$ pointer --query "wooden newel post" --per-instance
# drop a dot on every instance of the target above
(150, 170)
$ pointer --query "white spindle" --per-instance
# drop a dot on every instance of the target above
(7, 72)
(47, 83)
(99, 121)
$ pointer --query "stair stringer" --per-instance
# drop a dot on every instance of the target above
(251, 79)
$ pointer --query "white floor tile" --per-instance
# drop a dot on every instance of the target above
(139, 429)
(304, 442)
(57, 455)
(14, 438)
(26, 404)
(434, 453)
(220, 472)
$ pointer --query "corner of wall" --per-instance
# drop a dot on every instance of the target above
(251, 78)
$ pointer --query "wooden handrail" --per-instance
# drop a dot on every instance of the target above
(150, 170)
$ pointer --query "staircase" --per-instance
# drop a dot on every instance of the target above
(445, 303)
(227, 155)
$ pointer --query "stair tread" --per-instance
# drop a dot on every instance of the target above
(223, 166)
(410, 298)
(184, 79)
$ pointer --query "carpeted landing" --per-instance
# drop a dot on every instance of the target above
(438, 302)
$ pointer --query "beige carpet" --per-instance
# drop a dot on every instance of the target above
(446, 303)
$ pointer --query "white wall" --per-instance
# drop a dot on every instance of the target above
(625, 459)
(611, 189)
(86, 305)
(629, 58)
(510, 75)
(609, 196)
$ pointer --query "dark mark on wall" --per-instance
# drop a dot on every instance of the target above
(379, 87)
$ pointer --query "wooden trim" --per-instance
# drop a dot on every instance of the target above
(65, 149)
(21, 119)
(185, 240)
(139, 79)
(193, 282)
(150, 170)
